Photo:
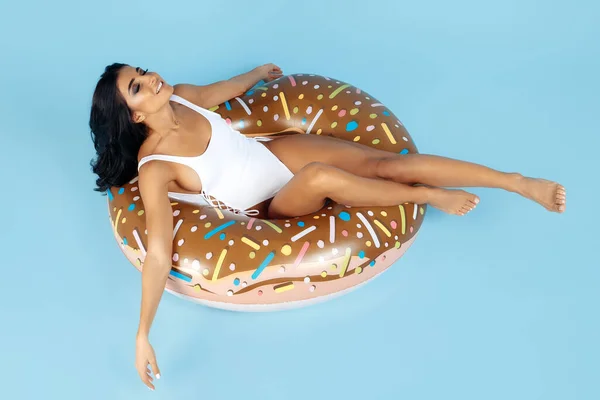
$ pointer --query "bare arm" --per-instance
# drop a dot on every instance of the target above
(153, 183)
(208, 96)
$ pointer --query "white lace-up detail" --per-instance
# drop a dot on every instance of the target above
(214, 203)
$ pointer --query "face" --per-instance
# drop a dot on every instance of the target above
(139, 89)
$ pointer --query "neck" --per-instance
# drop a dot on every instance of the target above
(163, 121)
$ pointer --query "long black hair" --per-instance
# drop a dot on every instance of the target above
(117, 139)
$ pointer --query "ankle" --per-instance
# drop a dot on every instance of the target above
(422, 195)
(516, 182)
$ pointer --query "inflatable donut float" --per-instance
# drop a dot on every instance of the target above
(236, 262)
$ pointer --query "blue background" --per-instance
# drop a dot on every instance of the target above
(502, 304)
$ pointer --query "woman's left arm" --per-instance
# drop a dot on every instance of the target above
(208, 96)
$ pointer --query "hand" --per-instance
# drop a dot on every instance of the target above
(144, 355)
(270, 72)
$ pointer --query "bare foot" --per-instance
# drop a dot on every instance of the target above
(549, 194)
(457, 202)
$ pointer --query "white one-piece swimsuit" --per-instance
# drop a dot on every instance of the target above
(236, 171)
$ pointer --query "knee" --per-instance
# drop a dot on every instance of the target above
(318, 175)
(396, 168)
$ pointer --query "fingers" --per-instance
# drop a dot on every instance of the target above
(154, 366)
(145, 377)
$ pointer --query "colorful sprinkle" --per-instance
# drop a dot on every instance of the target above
(388, 133)
(272, 225)
(181, 275)
(352, 125)
(244, 106)
(381, 226)
(370, 229)
(354, 111)
(285, 106)
(345, 262)
(403, 218)
(286, 250)
(331, 229)
(284, 287)
(405, 151)
(338, 90)
(303, 251)
(217, 229)
(303, 233)
(250, 243)
(344, 216)
(263, 265)
(312, 123)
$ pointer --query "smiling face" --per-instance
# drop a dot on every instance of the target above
(145, 92)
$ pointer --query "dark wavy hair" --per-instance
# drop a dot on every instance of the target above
(117, 139)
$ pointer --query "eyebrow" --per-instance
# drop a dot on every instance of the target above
(137, 69)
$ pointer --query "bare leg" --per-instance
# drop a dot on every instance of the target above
(316, 182)
(446, 172)
(298, 150)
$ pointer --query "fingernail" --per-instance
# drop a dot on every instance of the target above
(157, 376)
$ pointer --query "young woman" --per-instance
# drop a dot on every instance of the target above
(141, 124)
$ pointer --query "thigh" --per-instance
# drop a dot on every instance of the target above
(301, 195)
(296, 151)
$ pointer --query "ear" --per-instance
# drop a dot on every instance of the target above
(138, 117)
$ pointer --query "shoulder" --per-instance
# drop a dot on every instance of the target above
(148, 147)
(192, 93)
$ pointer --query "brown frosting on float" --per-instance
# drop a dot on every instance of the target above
(233, 258)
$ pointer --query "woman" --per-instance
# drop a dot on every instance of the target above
(142, 124)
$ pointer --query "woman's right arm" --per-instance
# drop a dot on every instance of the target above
(153, 184)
